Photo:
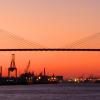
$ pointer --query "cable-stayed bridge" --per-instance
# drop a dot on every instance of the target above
(9, 40)
(90, 43)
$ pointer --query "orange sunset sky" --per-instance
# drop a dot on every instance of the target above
(51, 23)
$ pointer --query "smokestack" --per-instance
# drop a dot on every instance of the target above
(0, 71)
(44, 72)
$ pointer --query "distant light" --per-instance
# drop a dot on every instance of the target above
(75, 80)
(39, 78)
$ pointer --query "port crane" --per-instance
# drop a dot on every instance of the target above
(12, 67)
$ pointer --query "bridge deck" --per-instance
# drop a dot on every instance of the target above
(50, 49)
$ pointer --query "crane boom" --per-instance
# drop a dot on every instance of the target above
(27, 68)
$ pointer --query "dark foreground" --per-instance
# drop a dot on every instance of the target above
(51, 92)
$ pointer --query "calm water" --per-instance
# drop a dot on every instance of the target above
(51, 92)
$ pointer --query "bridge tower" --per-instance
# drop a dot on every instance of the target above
(12, 67)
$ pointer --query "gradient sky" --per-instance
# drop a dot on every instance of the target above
(53, 23)
(43, 21)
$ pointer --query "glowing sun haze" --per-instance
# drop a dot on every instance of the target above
(53, 23)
